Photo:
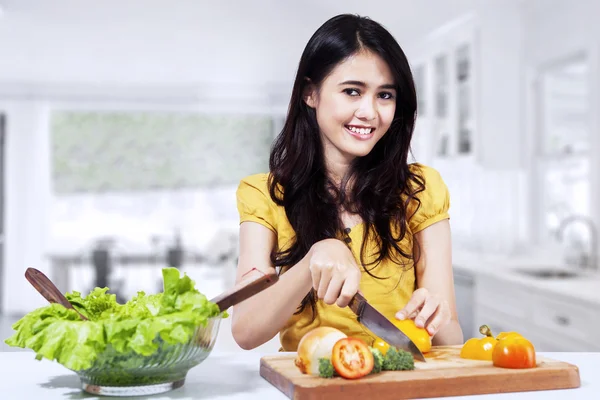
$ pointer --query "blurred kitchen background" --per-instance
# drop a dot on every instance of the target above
(125, 127)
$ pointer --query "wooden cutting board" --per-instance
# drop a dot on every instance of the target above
(444, 374)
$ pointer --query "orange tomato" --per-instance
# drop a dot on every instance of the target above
(514, 352)
(419, 336)
(504, 335)
(352, 358)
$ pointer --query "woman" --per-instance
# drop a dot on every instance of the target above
(341, 209)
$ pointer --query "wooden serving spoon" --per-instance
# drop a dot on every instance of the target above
(46, 288)
(44, 285)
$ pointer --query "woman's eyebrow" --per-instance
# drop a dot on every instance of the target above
(362, 84)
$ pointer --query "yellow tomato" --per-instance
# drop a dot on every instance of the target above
(419, 336)
(381, 346)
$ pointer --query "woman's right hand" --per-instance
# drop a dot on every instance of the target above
(335, 274)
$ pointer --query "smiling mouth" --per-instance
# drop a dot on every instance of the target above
(360, 130)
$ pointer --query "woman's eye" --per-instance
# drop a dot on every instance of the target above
(387, 95)
(351, 92)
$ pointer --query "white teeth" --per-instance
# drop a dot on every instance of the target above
(362, 131)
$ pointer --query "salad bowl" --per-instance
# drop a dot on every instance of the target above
(143, 347)
(130, 374)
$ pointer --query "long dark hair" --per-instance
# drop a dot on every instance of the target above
(383, 185)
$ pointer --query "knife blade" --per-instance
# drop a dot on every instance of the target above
(383, 327)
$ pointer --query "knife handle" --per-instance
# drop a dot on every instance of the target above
(357, 304)
(237, 295)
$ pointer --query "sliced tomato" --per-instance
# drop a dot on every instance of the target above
(514, 352)
(352, 358)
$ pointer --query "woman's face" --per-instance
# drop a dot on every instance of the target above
(355, 106)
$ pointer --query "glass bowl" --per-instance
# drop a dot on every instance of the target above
(131, 374)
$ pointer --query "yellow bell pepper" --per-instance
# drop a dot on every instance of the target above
(480, 348)
(419, 336)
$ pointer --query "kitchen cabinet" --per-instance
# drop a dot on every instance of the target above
(551, 322)
(445, 75)
(470, 80)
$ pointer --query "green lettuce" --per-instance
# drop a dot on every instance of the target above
(141, 326)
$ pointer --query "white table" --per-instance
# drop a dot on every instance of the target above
(230, 376)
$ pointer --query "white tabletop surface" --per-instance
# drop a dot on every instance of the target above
(230, 376)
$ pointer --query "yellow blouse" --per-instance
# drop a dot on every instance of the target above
(386, 295)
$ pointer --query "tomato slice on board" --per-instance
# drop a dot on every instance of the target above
(352, 358)
(514, 352)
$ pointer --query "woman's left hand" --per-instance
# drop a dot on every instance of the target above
(428, 310)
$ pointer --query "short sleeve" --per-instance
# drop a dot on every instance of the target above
(435, 200)
(254, 202)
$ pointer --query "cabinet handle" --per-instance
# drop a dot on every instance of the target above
(564, 321)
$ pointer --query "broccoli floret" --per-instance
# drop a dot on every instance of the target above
(398, 360)
(377, 360)
(326, 369)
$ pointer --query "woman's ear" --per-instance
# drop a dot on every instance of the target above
(310, 94)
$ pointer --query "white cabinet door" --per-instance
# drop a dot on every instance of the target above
(551, 323)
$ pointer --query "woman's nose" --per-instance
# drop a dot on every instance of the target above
(367, 109)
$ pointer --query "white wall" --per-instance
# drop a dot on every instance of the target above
(27, 195)
(153, 42)
(558, 28)
(501, 34)
(122, 42)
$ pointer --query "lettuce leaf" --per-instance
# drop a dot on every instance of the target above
(140, 326)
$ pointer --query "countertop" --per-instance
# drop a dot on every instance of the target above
(231, 375)
(584, 287)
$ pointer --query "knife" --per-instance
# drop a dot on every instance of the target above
(237, 295)
(382, 327)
